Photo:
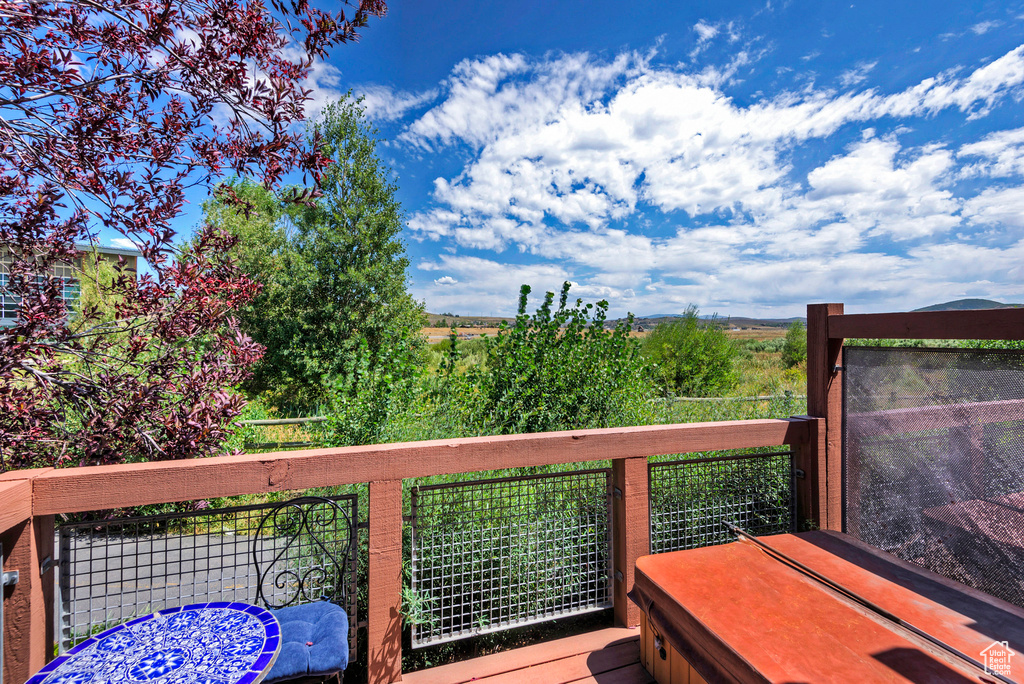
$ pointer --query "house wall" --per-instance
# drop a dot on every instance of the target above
(70, 272)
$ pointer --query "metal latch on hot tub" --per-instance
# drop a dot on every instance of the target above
(659, 646)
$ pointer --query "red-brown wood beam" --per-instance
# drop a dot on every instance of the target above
(631, 532)
(384, 620)
(825, 400)
(15, 503)
(94, 488)
(986, 324)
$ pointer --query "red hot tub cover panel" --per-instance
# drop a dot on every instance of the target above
(739, 615)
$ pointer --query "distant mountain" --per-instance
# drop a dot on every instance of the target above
(724, 321)
(742, 322)
(961, 304)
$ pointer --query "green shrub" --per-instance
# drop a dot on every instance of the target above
(363, 399)
(772, 346)
(691, 357)
(794, 350)
(561, 369)
(469, 352)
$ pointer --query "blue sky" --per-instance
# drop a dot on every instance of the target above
(748, 158)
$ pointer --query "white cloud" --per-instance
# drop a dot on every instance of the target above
(871, 188)
(705, 31)
(473, 99)
(123, 243)
(983, 27)
(976, 93)
(998, 207)
(445, 280)
(323, 84)
(856, 75)
(486, 286)
(998, 154)
(568, 154)
(384, 104)
(705, 34)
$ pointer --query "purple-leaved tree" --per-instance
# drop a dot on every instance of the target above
(109, 111)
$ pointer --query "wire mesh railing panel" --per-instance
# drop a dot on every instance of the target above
(114, 570)
(492, 554)
(691, 498)
(933, 460)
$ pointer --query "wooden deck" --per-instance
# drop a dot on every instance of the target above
(607, 656)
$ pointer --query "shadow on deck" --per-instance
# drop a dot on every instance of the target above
(607, 656)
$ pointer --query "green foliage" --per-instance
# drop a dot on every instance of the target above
(561, 369)
(464, 348)
(557, 369)
(985, 344)
(98, 298)
(772, 346)
(334, 305)
(253, 410)
(794, 350)
(671, 411)
(365, 397)
(933, 344)
(691, 357)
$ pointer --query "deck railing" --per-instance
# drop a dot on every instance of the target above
(29, 500)
(690, 498)
(115, 569)
(32, 499)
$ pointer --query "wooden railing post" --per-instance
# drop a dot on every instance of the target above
(810, 490)
(631, 531)
(825, 400)
(384, 621)
(28, 605)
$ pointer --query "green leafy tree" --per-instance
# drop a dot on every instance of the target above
(560, 369)
(98, 294)
(334, 304)
(691, 357)
(794, 351)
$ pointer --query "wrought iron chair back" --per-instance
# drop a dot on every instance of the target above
(305, 550)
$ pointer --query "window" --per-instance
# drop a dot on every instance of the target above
(70, 290)
(8, 303)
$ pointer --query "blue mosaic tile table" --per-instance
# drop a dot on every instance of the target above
(204, 643)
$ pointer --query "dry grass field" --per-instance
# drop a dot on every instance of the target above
(761, 332)
(438, 334)
(435, 334)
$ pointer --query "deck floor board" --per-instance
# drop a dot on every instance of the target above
(607, 656)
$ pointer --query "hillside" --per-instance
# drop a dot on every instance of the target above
(445, 320)
(741, 322)
(962, 304)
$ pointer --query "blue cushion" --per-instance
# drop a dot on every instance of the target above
(314, 641)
